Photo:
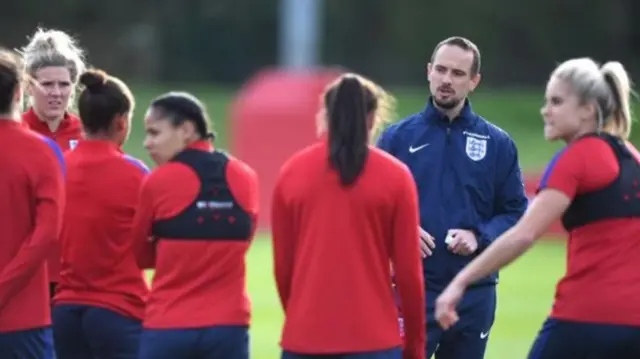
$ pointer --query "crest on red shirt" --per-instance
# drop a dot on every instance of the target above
(476, 148)
(73, 144)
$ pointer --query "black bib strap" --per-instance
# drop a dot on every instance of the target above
(621, 199)
(214, 214)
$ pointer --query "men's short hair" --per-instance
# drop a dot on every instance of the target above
(464, 44)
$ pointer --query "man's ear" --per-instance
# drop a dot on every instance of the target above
(475, 80)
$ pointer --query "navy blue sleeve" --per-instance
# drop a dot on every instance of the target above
(511, 199)
(57, 151)
(386, 139)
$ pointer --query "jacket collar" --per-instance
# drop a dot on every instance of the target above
(466, 117)
(69, 122)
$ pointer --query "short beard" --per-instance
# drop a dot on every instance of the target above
(448, 105)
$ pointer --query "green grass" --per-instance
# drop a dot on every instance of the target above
(526, 288)
(525, 297)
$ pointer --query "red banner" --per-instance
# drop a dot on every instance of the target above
(272, 117)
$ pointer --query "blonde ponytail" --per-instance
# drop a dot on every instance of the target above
(620, 119)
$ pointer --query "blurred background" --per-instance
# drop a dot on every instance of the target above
(219, 50)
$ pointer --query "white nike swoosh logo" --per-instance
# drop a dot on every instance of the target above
(484, 335)
(415, 149)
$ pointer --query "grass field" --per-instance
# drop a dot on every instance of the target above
(526, 287)
(525, 295)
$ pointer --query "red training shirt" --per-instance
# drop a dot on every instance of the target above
(197, 283)
(66, 136)
(31, 201)
(602, 282)
(99, 267)
(332, 249)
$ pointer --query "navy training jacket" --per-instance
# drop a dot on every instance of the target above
(468, 177)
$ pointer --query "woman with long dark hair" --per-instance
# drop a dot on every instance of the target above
(344, 213)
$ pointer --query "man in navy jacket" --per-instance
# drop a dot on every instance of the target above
(470, 188)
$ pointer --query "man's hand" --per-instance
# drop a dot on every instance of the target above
(427, 243)
(462, 242)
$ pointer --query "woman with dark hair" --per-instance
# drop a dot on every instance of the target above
(200, 207)
(31, 205)
(344, 214)
(99, 302)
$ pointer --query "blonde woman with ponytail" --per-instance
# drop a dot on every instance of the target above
(593, 186)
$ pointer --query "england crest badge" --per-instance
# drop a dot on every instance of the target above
(476, 148)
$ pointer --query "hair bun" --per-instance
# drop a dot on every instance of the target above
(93, 79)
(50, 40)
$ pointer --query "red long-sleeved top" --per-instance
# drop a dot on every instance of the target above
(332, 248)
(197, 283)
(66, 135)
(69, 130)
(31, 201)
(99, 267)
(602, 283)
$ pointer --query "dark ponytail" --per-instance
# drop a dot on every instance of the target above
(11, 77)
(348, 131)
